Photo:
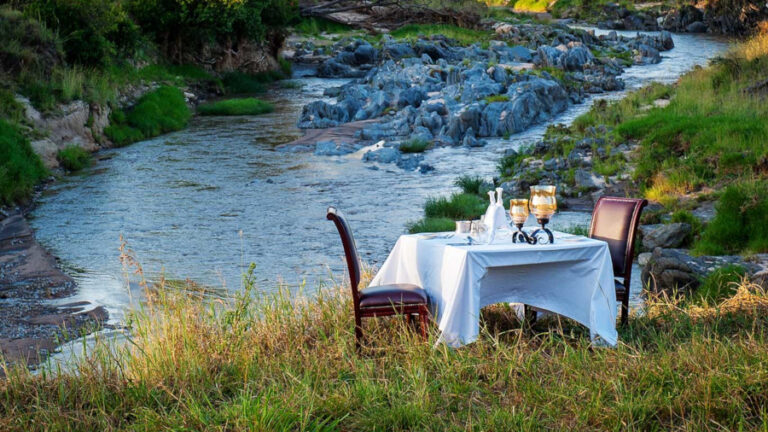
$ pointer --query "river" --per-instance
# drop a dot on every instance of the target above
(204, 202)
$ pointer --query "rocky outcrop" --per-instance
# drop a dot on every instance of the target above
(676, 270)
(673, 235)
(436, 90)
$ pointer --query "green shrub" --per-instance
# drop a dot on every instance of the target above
(9, 108)
(684, 216)
(414, 146)
(92, 31)
(20, 168)
(180, 27)
(470, 184)
(74, 158)
(741, 222)
(160, 111)
(718, 285)
(26, 45)
(460, 206)
(233, 107)
(431, 225)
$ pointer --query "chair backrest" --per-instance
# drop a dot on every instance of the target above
(350, 249)
(615, 221)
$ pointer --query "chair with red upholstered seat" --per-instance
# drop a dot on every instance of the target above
(397, 299)
(615, 221)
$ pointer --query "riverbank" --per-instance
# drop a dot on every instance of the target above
(35, 319)
(282, 361)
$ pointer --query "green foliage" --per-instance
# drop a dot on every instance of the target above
(684, 216)
(470, 184)
(181, 26)
(313, 26)
(414, 146)
(577, 230)
(159, 111)
(20, 168)
(463, 35)
(26, 45)
(741, 222)
(496, 98)
(74, 158)
(431, 225)
(9, 108)
(460, 206)
(233, 107)
(718, 285)
(92, 31)
(508, 164)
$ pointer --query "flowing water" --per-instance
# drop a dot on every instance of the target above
(204, 202)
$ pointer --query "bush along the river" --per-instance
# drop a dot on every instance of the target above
(159, 111)
(74, 158)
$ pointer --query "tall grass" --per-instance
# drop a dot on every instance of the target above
(283, 361)
(74, 158)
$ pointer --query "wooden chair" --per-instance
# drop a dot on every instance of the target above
(383, 300)
(615, 221)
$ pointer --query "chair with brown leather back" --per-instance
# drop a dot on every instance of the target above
(383, 300)
(615, 221)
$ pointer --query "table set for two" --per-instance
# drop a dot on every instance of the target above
(460, 272)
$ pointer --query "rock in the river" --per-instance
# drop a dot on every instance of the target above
(671, 235)
(382, 155)
(330, 148)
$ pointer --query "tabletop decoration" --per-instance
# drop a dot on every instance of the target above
(518, 210)
(543, 205)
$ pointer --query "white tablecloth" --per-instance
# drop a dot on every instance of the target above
(572, 277)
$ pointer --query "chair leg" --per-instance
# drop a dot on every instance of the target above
(624, 310)
(424, 316)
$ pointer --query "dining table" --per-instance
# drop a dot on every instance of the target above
(572, 277)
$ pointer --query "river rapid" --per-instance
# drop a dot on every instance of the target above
(205, 202)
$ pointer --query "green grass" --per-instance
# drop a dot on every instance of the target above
(470, 184)
(313, 26)
(462, 35)
(20, 168)
(438, 224)
(74, 158)
(684, 216)
(496, 98)
(414, 146)
(286, 362)
(159, 111)
(234, 107)
(741, 221)
(459, 206)
(10, 109)
(718, 286)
